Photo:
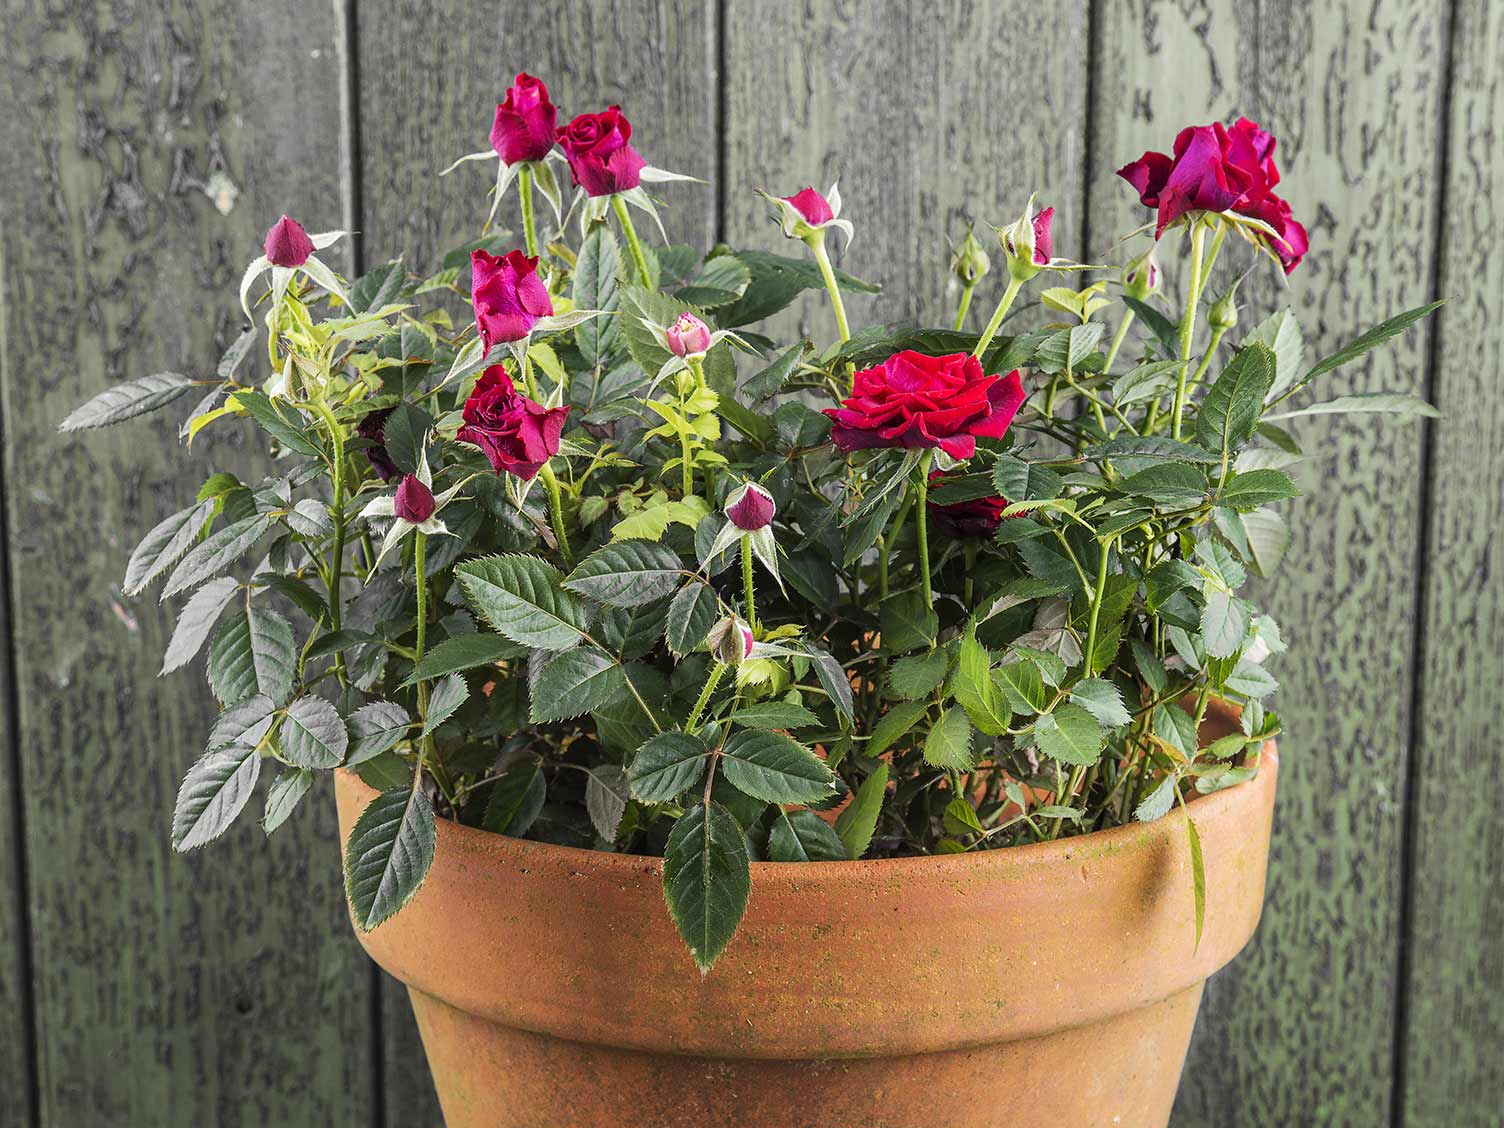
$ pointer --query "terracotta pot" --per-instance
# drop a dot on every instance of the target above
(1052, 985)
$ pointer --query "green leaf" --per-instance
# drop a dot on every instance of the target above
(1165, 331)
(165, 544)
(1268, 538)
(290, 432)
(627, 573)
(1224, 624)
(1151, 446)
(1366, 403)
(1228, 415)
(1168, 483)
(283, 795)
(1023, 686)
(1281, 333)
(917, 676)
(404, 435)
(803, 836)
(218, 552)
(597, 286)
(894, 724)
(386, 771)
(1018, 480)
(464, 652)
(573, 683)
(775, 282)
(313, 735)
(706, 880)
(246, 723)
(1198, 876)
(1157, 804)
(521, 597)
(213, 794)
(196, 620)
(774, 715)
(127, 400)
(907, 624)
(1177, 728)
(771, 379)
(380, 286)
(833, 680)
(961, 813)
(691, 614)
(446, 696)
(857, 823)
(374, 728)
(516, 799)
(666, 766)
(1371, 339)
(1253, 488)
(606, 798)
(775, 768)
(948, 744)
(252, 652)
(388, 854)
(1070, 734)
(1102, 700)
(975, 690)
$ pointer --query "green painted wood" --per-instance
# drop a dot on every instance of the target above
(148, 148)
(1300, 1029)
(1453, 1069)
(656, 58)
(927, 118)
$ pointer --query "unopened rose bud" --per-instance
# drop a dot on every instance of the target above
(1141, 277)
(812, 207)
(751, 508)
(287, 243)
(970, 262)
(414, 501)
(1224, 313)
(731, 641)
(688, 336)
(1029, 243)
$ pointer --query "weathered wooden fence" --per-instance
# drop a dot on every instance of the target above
(146, 146)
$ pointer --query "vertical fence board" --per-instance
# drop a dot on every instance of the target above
(15, 1000)
(656, 58)
(823, 90)
(1300, 1028)
(1453, 1072)
(148, 148)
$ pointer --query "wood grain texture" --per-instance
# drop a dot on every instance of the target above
(656, 58)
(16, 1047)
(1300, 1030)
(148, 148)
(1453, 1068)
(927, 119)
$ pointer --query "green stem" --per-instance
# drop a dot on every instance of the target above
(747, 583)
(1211, 351)
(529, 383)
(711, 680)
(420, 578)
(921, 523)
(556, 513)
(969, 588)
(965, 304)
(619, 206)
(337, 516)
(1014, 285)
(816, 244)
(1096, 606)
(525, 194)
(1117, 341)
(1188, 324)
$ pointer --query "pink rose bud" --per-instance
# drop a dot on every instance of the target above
(813, 207)
(525, 121)
(287, 244)
(688, 336)
(1141, 276)
(731, 641)
(414, 501)
(751, 508)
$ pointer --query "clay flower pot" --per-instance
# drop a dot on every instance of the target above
(1052, 985)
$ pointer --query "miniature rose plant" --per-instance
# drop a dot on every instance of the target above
(560, 543)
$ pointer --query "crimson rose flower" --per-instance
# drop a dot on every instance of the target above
(287, 243)
(978, 517)
(414, 502)
(814, 207)
(508, 295)
(516, 434)
(913, 400)
(524, 126)
(1219, 169)
(373, 427)
(600, 153)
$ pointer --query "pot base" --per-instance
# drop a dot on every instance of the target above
(1122, 1071)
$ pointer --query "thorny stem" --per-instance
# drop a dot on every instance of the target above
(747, 583)
(711, 680)
(556, 513)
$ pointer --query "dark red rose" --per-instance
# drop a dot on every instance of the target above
(978, 517)
(524, 125)
(516, 435)
(373, 427)
(287, 244)
(600, 153)
(913, 400)
(1219, 169)
(751, 508)
(414, 501)
(814, 207)
(508, 296)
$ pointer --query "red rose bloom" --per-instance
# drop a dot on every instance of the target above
(524, 125)
(287, 243)
(1219, 169)
(600, 153)
(978, 517)
(373, 427)
(516, 434)
(913, 400)
(508, 296)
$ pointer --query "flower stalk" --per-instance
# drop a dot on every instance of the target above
(634, 245)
